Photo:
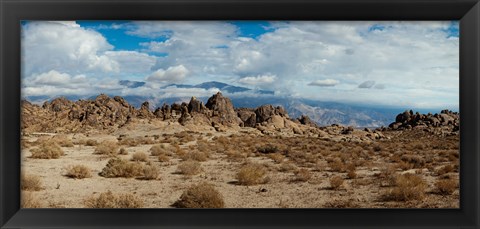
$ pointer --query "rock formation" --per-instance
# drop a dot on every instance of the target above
(446, 121)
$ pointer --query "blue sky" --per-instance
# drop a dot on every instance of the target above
(397, 64)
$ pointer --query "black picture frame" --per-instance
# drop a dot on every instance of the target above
(12, 12)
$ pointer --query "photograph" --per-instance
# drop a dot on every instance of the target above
(240, 114)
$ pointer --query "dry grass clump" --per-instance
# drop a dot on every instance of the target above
(47, 150)
(407, 187)
(351, 168)
(302, 175)
(62, 140)
(446, 187)
(251, 174)
(276, 157)
(78, 172)
(445, 169)
(107, 148)
(91, 142)
(337, 165)
(287, 167)
(157, 150)
(31, 183)
(415, 160)
(203, 195)
(110, 200)
(150, 172)
(267, 149)
(29, 200)
(139, 156)
(128, 142)
(195, 155)
(336, 182)
(123, 151)
(117, 167)
(189, 167)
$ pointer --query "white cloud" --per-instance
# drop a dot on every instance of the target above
(132, 61)
(64, 47)
(171, 75)
(402, 56)
(324, 83)
(258, 80)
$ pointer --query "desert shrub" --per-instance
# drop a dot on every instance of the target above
(62, 141)
(377, 148)
(195, 155)
(351, 174)
(123, 151)
(117, 167)
(29, 200)
(351, 168)
(129, 142)
(446, 187)
(91, 142)
(407, 187)
(337, 165)
(163, 158)
(336, 182)
(139, 156)
(415, 160)
(445, 169)
(266, 149)
(78, 172)
(150, 172)
(276, 157)
(157, 150)
(31, 183)
(251, 174)
(189, 167)
(107, 148)
(203, 195)
(110, 200)
(302, 175)
(287, 167)
(47, 150)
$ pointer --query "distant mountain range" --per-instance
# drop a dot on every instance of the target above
(222, 86)
(323, 113)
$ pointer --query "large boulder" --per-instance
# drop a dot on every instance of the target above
(222, 110)
(248, 116)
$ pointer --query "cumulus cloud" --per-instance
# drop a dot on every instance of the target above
(293, 53)
(54, 78)
(171, 75)
(64, 47)
(258, 80)
(324, 83)
(367, 84)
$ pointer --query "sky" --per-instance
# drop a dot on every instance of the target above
(379, 63)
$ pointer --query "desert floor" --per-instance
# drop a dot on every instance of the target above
(298, 169)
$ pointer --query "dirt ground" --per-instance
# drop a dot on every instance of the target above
(298, 169)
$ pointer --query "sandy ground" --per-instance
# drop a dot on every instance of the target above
(279, 192)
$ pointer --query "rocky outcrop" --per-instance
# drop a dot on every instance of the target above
(265, 112)
(446, 121)
(197, 106)
(144, 111)
(305, 120)
(248, 116)
(222, 111)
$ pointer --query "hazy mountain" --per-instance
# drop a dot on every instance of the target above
(131, 84)
(222, 86)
